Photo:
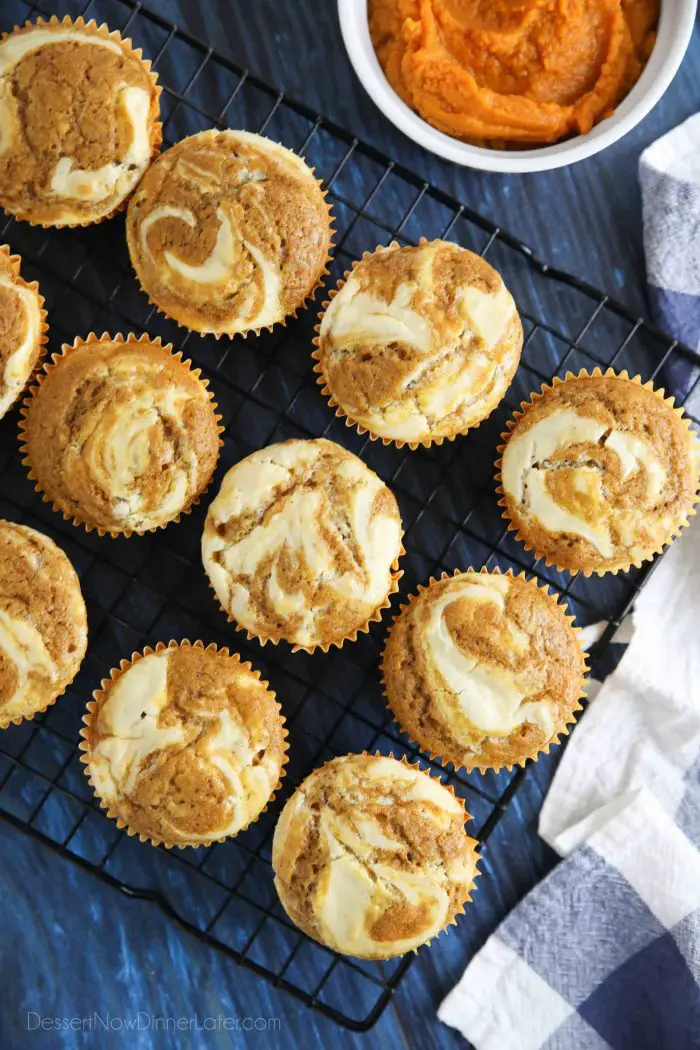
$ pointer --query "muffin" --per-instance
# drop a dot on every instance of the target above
(229, 232)
(43, 623)
(120, 434)
(483, 670)
(302, 543)
(81, 121)
(184, 745)
(598, 472)
(418, 344)
(371, 857)
(23, 329)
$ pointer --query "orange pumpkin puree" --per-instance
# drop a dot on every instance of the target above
(512, 73)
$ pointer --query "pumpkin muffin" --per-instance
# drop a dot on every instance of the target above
(483, 670)
(80, 121)
(22, 329)
(43, 623)
(598, 472)
(184, 745)
(229, 232)
(418, 344)
(302, 544)
(120, 434)
(371, 857)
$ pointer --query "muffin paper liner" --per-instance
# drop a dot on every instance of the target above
(305, 303)
(472, 844)
(25, 425)
(562, 729)
(511, 424)
(99, 695)
(322, 379)
(156, 133)
(376, 617)
(16, 263)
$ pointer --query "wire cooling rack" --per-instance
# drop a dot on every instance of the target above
(153, 588)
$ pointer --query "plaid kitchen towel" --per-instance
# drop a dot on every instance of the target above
(669, 173)
(605, 952)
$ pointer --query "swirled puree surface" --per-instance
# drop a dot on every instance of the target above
(420, 343)
(371, 857)
(301, 543)
(43, 623)
(121, 435)
(228, 232)
(599, 473)
(483, 669)
(78, 122)
(186, 746)
(513, 73)
(20, 330)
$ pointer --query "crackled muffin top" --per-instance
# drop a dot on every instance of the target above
(419, 343)
(301, 543)
(599, 473)
(21, 329)
(78, 121)
(371, 857)
(483, 669)
(186, 745)
(228, 232)
(43, 622)
(121, 435)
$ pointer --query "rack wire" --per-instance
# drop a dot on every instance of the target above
(152, 588)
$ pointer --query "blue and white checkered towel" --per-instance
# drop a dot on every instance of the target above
(605, 952)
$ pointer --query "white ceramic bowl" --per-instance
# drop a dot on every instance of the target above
(675, 28)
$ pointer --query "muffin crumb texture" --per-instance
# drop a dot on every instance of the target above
(419, 343)
(371, 857)
(120, 434)
(599, 473)
(228, 232)
(43, 622)
(483, 670)
(80, 118)
(22, 329)
(301, 543)
(186, 745)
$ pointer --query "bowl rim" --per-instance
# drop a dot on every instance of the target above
(676, 21)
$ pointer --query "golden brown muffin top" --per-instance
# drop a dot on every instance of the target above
(482, 669)
(228, 232)
(419, 343)
(21, 329)
(599, 473)
(121, 434)
(301, 543)
(371, 857)
(80, 121)
(185, 745)
(43, 622)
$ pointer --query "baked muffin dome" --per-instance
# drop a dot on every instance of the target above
(229, 232)
(302, 544)
(598, 472)
(120, 434)
(22, 329)
(80, 121)
(419, 343)
(483, 670)
(43, 622)
(371, 857)
(184, 745)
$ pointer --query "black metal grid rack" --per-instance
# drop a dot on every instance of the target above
(152, 588)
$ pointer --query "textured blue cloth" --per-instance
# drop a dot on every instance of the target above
(605, 952)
